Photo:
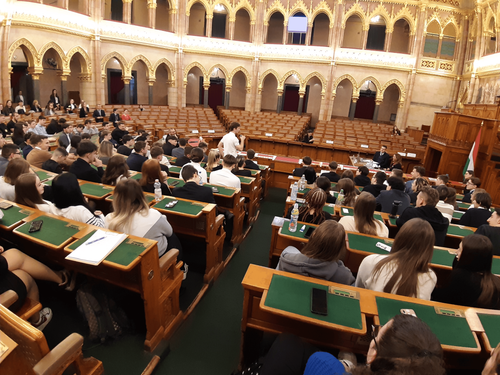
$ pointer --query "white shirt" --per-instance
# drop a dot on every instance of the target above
(229, 142)
(350, 225)
(79, 213)
(225, 177)
(426, 281)
(446, 210)
(7, 191)
(202, 172)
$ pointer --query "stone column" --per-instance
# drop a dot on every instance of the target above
(63, 4)
(378, 101)
(309, 33)
(127, 11)
(409, 93)
(208, 31)
(87, 91)
(206, 86)
(248, 99)
(285, 34)
(151, 82)
(64, 88)
(352, 109)
(330, 107)
(461, 60)
(172, 14)
(472, 88)
(5, 68)
(388, 41)
(181, 84)
(280, 101)
(227, 96)
(264, 33)
(251, 37)
(399, 115)
(365, 36)
(301, 102)
(418, 44)
(231, 28)
(126, 87)
(438, 56)
(36, 86)
(152, 13)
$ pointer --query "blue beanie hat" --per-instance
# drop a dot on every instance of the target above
(322, 363)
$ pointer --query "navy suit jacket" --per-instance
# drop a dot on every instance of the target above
(383, 160)
(135, 161)
(191, 190)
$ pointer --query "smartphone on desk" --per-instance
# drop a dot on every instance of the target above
(318, 301)
(309, 232)
(175, 183)
(35, 226)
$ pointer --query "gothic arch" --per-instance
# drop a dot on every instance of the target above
(28, 48)
(121, 60)
(374, 81)
(198, 65)
(350, 79)
(85, 61)
(281, 82)
(402, 91)
(226, 3)
(224, 70)
(244, 71)
(322, 7)
(170, 67)
(265, 74)
(406, 15)
(379, 11)
(434, 17)
(244, 4)
(149, 72)
(451, 20)
(206, 4)
(355, 10)
(299, 6)
(55, 47)
(318, 76)
(277, 6)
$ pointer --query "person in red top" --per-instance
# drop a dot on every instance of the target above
(125, 115)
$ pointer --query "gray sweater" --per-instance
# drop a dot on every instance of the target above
(292, 260)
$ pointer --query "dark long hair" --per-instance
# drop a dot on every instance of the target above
(411, 253)
(477, 257)
(150, 172)
(116, 167)
(315, 200)
(347, 185)
(327, 243)
(66, 192)
(26, 191)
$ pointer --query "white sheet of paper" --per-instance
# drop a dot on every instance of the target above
(95, 252)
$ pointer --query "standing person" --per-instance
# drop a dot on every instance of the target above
(84, 109)
(87, 155)
(382, 157)
(40, 153)
(229, 144)
(363, 220)
(54, 98)
(99, 114)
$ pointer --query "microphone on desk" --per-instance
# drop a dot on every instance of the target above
(394, 210)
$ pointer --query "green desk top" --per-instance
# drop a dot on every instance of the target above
(369, 244)
(253, 172)
(178, 182)
(459, 197)
(190, 208)
(175, 169)
(392, 220)
(54, 231)
(96, 190)
(136, 176)
(298, 233)
(294, 296)
(42, 175)
(450, 330)
(495, 267)
(455, 230)
(222, 190)
(124, 254)
(463, 205)
(304, 191)
(245, 180)
(14, 215)
(326, 208)
(458, 214)
(442, 257)
(262, 167)
(490, 324)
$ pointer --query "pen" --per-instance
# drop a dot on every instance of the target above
(303, 228)
(91, 242)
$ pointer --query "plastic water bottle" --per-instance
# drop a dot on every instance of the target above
(158, 193)
(340, 199)
(201, 180)
(302, 184)
(295, 189)
(292, 227)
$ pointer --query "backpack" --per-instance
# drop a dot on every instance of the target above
(104, 318)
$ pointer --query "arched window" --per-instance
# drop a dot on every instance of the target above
(320, 30)
(400, 37)
(275, 28)
(353, 33)
(242, 26)
(448, 43)
(113, 10)
(297, 28)
(162, 15)
(432, 39)
(140, 13)
(219, 21)
(197, 20)
(491, 38)
(376, 34)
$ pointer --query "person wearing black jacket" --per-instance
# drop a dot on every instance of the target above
(382, 157)
(480, 213)
(99, 114)
(169, 145)
(377, 184)
(298, 172)
(81, 168)
(332, 175)
(114, 118)
(239, 169)
(426, 210)
(362, 178)
(184, 159)
(119, 133)
(192, 189)
(137, 158)
(492, 230)
(249, 163)
(127, 146)
(471, 185)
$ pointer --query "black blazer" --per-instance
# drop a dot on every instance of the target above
(182, 160)
(468, 197)
(191, 190)
(250, 164)
(83, 112)
(135, 161)
(374, 189)
(245, 173)
(124, 150)
(99, 113)
(396, 166)
(114, 118)
(383, 160)
(430, 214)
(298, 172)
(475, 217)
(167, 148)
(84, 171)
(332, 176)
(362, 180)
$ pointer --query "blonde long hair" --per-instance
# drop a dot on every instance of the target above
(128, 199)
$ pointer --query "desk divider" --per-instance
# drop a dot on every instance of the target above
(183, 207)
(54, 231)
(490, 324)
(450, 330)
(294, 296)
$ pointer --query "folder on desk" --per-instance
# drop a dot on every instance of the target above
(97, 247)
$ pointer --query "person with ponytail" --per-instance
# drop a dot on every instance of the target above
(471, 282)
(363, 220)
(312, 210)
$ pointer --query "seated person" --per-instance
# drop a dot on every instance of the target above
(213, 163)
(66, 135)
(225, 176)
(169, 145)
(417, 186)
(118, 133)
(16, 168)
(196, 158)
(178, 152)
(362, 178)
(467, 176)
(249, 163)
(116, 170)
(332, 174)
(29, 190)
(18, 272)
(446, 209)
(492, 230)
(298, 172)
(382, 157)
(452, 198)
(127, 146)
(417, 171)
(397, 162)
(70, 203)
(324, 184)
(27, 146)
(377, 184)
(151, 172)
(132, 215)
(347, 185)
(87, 155)
(192, 189)
(442, 179)
(471, 185)
(312, 209)
(9, 152)
(106, 151)
(347, 174)
(426, 209)
(157, 154)
(310, 175)
(320, 257)
(479, 212)
(239, 168)
(308, 137)
(90, 128)
(78, 130)
(393, 193)
(471, 282)
(363, 220)
(395, 173)
(405, 271)
(138, 157)
(186, 158)
(40, 153)
(57, 162)
(204, 148)
(75, 142)
(143, 136)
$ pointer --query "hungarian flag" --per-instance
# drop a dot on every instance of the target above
(471, 160)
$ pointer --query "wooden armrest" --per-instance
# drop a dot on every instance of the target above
(168, 259)
(219, 220)
(30, 308)
(61, 356)
(8, 298)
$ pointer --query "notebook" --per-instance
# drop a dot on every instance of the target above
(97, 247)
